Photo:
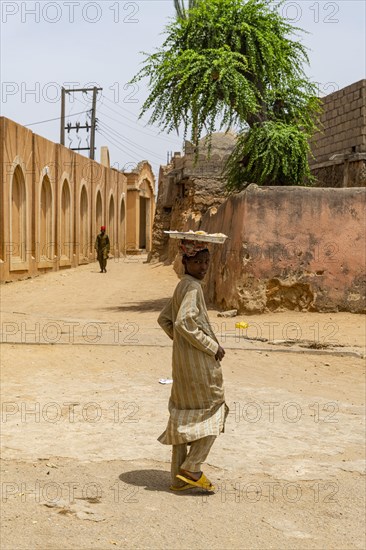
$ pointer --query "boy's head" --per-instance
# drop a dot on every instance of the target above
(197, 265)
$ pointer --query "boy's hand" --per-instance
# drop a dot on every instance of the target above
(220, 354)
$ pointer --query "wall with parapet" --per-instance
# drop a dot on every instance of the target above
(289, 248)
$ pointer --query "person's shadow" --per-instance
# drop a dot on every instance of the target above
(157, 480)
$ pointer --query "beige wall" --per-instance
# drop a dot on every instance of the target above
(16, 151)
(291, 248)
(48, 201)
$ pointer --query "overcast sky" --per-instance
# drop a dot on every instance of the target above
(47, 44)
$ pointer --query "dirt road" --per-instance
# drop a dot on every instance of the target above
(82, 406)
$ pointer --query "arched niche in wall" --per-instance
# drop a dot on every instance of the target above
(111, 222)
(46, 244)
(18, 216)
(98, 211)
(66, 221)
(122, 227)
(83, 230)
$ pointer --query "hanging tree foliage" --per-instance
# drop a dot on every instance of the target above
(234, 62)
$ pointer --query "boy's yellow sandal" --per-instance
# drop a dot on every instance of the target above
(203, 482)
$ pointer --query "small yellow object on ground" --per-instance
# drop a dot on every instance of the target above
(242, 324)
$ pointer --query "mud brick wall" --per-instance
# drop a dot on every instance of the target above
(188, 188)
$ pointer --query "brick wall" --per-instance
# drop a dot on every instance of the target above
(343, 124)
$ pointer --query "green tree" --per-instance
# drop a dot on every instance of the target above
(236, 63)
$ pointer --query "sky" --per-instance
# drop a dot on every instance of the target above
(76, 44)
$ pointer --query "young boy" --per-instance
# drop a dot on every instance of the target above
(197, 404)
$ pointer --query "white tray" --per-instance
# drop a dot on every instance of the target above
(192, 236)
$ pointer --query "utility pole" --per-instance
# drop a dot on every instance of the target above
(77, 127)
(62, 133)
(92, 135)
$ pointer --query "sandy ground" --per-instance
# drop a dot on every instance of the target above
(82, 406)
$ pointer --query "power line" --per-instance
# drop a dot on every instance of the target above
(125, 144)
(113, 139)
(52, 119)
(138, 129)
(119, 107)
(112, 142)
(120, 137)
(131, 120)
(125, 148)
(129, 142)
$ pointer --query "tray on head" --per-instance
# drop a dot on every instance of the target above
(198, 236)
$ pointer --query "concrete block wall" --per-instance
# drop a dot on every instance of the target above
(343, 124)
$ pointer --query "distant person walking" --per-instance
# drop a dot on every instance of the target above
(102, 246)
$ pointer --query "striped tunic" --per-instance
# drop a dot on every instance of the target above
(197, 404)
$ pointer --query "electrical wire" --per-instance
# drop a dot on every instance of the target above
(129, 142)
(131, 120)
(120, 107)
(123, 139)
(124, 144)
(112, 142)
(123, 147)
(139, 127)
(119, 136)
(52, 119)
(127, 150)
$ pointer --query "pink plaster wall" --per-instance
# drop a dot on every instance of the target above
(289, 248)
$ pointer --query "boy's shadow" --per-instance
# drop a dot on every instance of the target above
(157, 480)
